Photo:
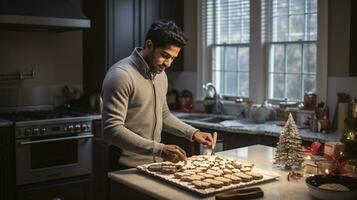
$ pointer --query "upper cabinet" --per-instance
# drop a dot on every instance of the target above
(353, 40)
(118, 26)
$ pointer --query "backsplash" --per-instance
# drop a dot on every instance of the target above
(55, 57)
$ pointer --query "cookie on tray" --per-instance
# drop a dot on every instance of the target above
(201, 184)
(244, 177)
(214, 183)
(224, 180)
(246, 169)
(156, 167)
(235, 179)
(180, 174)
(206, 175)
(191, 178)
(255, 175)
(213, 172)
(168, 169)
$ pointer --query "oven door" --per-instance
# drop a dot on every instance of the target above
(53, 158)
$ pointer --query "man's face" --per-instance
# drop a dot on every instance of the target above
(161, 58)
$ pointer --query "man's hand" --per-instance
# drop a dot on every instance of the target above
(204, 138)
(173, 153)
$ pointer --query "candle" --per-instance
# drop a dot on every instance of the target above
(327, 171)
(308, 157)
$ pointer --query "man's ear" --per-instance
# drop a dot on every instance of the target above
(149, 45)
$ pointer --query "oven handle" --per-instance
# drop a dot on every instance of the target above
(56, 139)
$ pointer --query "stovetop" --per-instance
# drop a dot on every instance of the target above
(35, 115)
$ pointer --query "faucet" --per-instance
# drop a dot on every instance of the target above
(216, 99)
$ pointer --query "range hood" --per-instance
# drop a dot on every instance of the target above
(57, 15)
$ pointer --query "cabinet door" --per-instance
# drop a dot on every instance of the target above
(124, 26)
(7, 163)
(353, 40)
(173, 10)
(71, 190)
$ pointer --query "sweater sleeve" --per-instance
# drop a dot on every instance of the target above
(175, 126)
(117, 88)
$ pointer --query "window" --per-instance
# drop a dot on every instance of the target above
(226, 29)
(292, 48)
(263, 49)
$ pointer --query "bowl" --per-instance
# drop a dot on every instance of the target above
(313, 183)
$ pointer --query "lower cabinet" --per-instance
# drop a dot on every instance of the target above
(230, 140)
(73, 189)
(7, 163)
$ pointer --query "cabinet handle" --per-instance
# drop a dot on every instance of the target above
(56, 198)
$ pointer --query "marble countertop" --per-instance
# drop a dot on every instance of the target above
(270, 128)
(262, 156)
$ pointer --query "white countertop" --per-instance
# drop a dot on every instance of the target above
(261, 155)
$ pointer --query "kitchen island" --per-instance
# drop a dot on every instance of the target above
(132, 184)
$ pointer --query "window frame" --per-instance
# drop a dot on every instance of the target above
(237, 45)
(259, 65)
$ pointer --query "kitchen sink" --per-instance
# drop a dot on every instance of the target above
(194, 117)
(214, 119)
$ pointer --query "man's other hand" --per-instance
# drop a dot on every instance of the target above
(204, 138)
(173, 153)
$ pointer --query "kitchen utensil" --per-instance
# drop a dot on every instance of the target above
(247, 193)
(209, 151)
(313, 183)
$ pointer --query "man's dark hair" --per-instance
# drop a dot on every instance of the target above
(163, 33)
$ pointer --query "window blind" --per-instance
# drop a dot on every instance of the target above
(226, 21)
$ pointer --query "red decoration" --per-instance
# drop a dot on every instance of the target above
(314, 148)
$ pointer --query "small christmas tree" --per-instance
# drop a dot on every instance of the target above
(289, 151)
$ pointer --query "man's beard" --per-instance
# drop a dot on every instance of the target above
(152, 68)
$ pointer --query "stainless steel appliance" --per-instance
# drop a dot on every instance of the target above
(51, 144)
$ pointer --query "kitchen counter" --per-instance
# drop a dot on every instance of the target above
(269, 128)
(132, 183)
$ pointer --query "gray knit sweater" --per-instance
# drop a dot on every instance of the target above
(135, 111)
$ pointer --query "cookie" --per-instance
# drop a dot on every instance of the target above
(251, 165)
(225, 181)
(255, 176)
(213, 172)
(244, 177)
(201, 184)
(168, 169)
(192, 178)
(190, 171)
(154, 167)
(246, 169)
(180, 174)
(235, 179)
(227, 171)
(229, 166)
(206, 175)
(214, 183)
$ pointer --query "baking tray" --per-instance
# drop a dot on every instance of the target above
(267, 176)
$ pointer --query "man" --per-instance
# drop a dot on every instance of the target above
(135, 110)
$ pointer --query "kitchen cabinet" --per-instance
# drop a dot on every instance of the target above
(105, 159)
(7, 163)
(353, 40)
(72, 189)
(118, 26)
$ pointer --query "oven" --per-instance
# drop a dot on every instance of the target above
(52, 149)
